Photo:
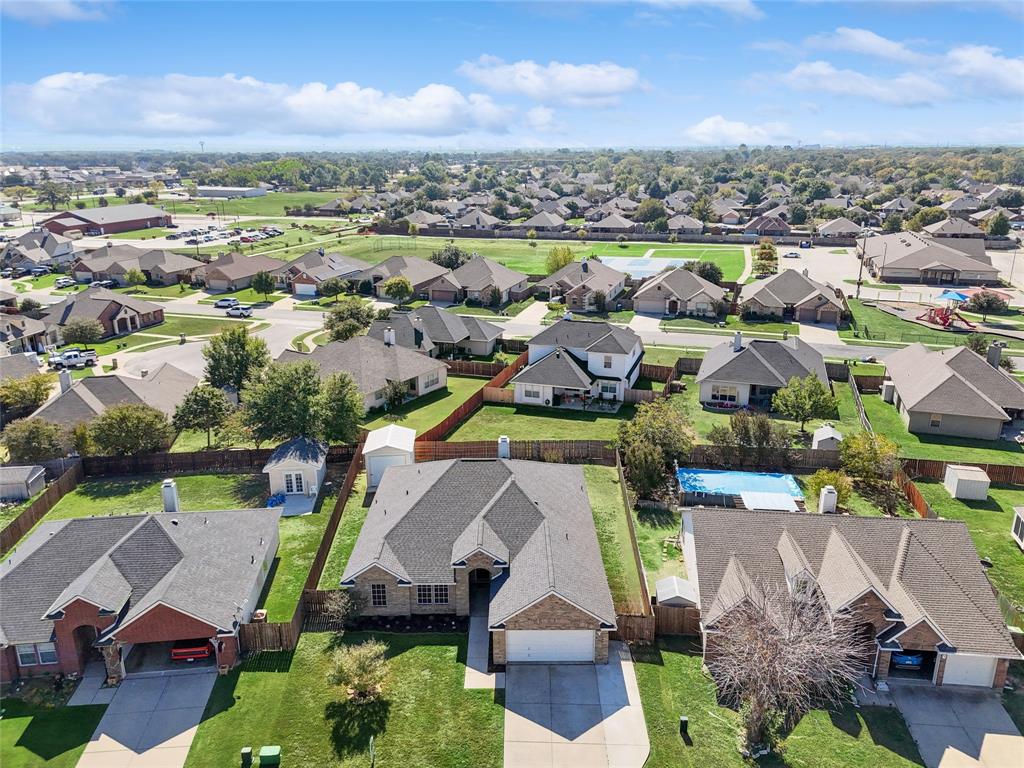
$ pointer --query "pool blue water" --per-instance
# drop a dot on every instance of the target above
(731, 483)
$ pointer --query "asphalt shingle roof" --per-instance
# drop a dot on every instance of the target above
(681, 283)
(788, 288)
(558, 369)
(768, 363)
(598, 336)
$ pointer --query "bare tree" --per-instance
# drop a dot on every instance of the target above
(780, 652)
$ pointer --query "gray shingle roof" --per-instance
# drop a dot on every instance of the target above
(423, 328)
(417, 270)
(681, 283)
(93, 302)
(909, 250)
(764, 362)
(479, 273)
(304, 450)
(788, 288)
(558, 369)
(597, 336)
(236, 265)
(19, 474)
(427, 517)
(925, 569)
(544, 219)
(205, 564)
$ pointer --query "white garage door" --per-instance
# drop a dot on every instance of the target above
(544, 645)
(969, 670)
(376, 465)
(304, 289)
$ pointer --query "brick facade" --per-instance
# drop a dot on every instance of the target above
(920, 637)
(1002, 669)
(162, 624)
(870, 609)
(552, 613)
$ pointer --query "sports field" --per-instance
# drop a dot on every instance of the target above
(521, 256)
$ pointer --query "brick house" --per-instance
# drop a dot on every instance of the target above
(109, 220)
(917, 587)
(104, 587)
(514, 539)
(791, 295)
(579, 281)
(679, 292)
(117, 312)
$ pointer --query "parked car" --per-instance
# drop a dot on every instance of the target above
(63, 282)
(39, 271)
(73, 358)
(908, 660)
(105, 283)
(6, 272)
(242, 310)
(805, 243)
(192, 241)
(791, 255)
(173, 236)
(172, 226)
(228, 302)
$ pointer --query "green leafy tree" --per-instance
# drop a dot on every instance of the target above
(558, 257)
(234, 356)
(398, 288)
(986, 303)
(82, 331)
(349, 318)
(834, 477)
(999, 225)
(395, 393)
(134, 277)
(361, 669)
(31, 440)
(52, 195)
(340, 408)
(805, 399)
(263, 282)
(705, 269)
(450, 256)
(869, 456)
(976, 342)
(893, 223)
(204, 408)
(924, 218)
(27, 393)
(650, 209)
(701, 209)
(645, 469)
(332, 287)
(130, 428)
(281, 401)
(28, 306)
(600, 301)
(656, 424)
(753, 438)
(191, 189)
(494, 297)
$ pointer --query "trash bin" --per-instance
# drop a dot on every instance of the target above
(246, 757)
(270, 756)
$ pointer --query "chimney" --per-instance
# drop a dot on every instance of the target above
(389, 336)
(64, 377)
(737, 341)
(994, 354)
(806, 273)
(169, 493)
(144, 372)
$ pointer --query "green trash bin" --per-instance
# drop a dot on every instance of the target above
(270, 756)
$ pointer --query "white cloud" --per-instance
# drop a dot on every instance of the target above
(541, 119)
(908, 88)
(997, 133)
(43, 12)
(863, 41)
(579, 85)
(78, 102)
(716, 131)
(745, 9)
(986, 69)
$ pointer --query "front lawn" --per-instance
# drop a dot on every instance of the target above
(348, 531)
(657, 538)
(33, 735)
(529, 422)
(613, 536)
(623, 317)
(672, 683)
(142, 234)
(989, 523)
(886, 419)
(177, 291)
(732, 323)
(194, 325)
(422, 413)
(508, 310)
(246, 296)
(424, 716)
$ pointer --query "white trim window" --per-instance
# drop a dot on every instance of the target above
(293, 482)
(31, 654)
(609, 388)
(935, 421)
(607, 361)
(379, 595)
(532, 394)
(424, 594)
(441, 594)
(431, 380)
(724, 393)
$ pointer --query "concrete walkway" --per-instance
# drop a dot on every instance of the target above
(580, 715)
(150, 722)
(960, 727)
(90, 688)
(748, 265)
(478, 656)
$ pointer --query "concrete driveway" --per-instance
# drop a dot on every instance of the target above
(958, 727)
(578, 715)
(150, 722)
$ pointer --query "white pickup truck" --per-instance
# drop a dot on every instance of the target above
(73, 358)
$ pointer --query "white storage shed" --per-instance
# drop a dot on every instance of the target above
(385, 447)
(675, 592)
(966, 482)
(297, 467)
(826, 438)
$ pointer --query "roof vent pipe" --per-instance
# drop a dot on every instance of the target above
(169, 494)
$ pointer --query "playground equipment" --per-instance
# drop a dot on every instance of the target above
(948, 315)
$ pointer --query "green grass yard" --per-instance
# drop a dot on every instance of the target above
(245, 296)
(509, 310)
(526, 422)
(177, 291)
(613, 537)
(657, 538)
(424, 716)
(672, 683)
(732, 324)
(878, 286)
(271, 204)
(348, 531)
(194, 325)
(989, 523)
(425, 412)
(33, 736)
(668, 355)
(884, 418)
(622, 316)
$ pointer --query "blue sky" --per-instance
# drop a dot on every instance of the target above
(489, 75)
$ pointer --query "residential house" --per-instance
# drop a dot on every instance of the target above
(19, 483)
(114, 262)
(109, 220)
(791, 295)
(477, 219)
(9, 214)
(901, 205)
(512, 540)
(615, 223)
(437, 332)
(953, 392)
(117, 312)
(578, 282)
(19, 334)
(476, 280)
(8, 302)
(916, 586)
(113, 586)
(544, 222)
(419, 272)
(962, 206)
(553, 206)
(907, 257)
(304, 274)
(682, 224)
(575, 361)
(38, 248)
(953, 227)
(82, 400)
(767, 226)
(235, 271)
(421, 218)
(680, 200)
(372, 364)
(741, 374)
(679, 292)
(727, 211)
(841, 227)
(982, 218)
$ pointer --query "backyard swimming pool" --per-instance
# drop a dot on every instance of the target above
(727, 482)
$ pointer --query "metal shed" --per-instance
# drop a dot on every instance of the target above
(966, 482)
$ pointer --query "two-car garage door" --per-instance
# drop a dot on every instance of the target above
(962, 669)
(549, 645)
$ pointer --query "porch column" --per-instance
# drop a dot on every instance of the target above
(113, 662)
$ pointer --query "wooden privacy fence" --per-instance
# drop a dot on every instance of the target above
(644, 608)
(474, 368)
(241, 460)
(639, 396)
(671, 620)
(33, 513)
(929, 469)
(271, 636)
(917, 501)
(632, 628)
(563, 451)
(495, 395)
(861, 413)
(702, 455)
